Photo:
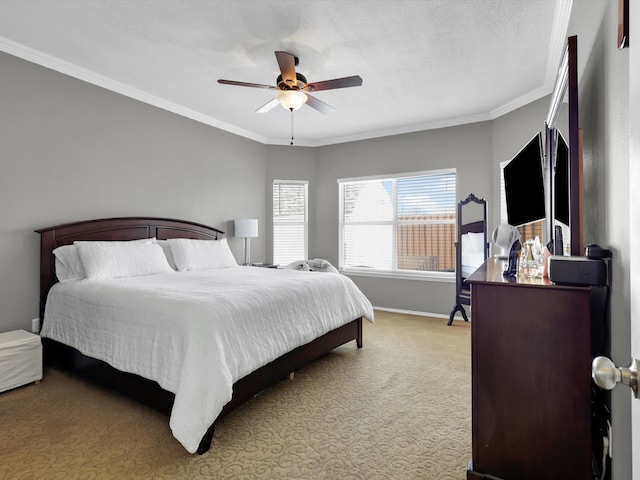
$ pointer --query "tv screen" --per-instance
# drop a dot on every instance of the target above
(524, 185)
(561, 182)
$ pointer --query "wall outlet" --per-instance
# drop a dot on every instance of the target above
(35, 325)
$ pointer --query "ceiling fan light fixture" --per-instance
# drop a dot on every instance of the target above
(291, 99)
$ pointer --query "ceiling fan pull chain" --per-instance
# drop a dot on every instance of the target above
(291, 126)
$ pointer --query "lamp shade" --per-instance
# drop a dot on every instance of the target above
(247, 228)
(291, 99)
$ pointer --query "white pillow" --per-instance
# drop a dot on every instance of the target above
(122, 259)
(472, 253)
(472, 241)
(201, 254)
(166, 248)
(68, 264)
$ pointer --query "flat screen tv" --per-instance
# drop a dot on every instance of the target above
(524, 185)
(561, 182)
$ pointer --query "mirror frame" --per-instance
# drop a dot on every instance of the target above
(566, 85)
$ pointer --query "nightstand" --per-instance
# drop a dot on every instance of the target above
(20, 359)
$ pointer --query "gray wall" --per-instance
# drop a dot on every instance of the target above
(289, 163)
(475, 150)
(466, 148)
(71, 151)
(510, 133)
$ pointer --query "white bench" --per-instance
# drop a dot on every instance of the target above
(20, 359)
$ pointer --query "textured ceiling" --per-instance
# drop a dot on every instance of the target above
(425, 64)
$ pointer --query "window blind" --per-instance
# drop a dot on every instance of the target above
(289, 221)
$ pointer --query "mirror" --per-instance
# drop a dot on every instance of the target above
(472, 248)
(563, 151)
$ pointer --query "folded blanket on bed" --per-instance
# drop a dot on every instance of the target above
(198, 332)
(315, 265)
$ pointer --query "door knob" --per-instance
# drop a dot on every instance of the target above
(605, 374)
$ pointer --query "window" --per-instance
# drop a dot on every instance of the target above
(289, 221)
(399, 225)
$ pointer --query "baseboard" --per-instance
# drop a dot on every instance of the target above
(421, 314)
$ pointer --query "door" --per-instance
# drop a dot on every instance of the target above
(634, 221)
(634, 229)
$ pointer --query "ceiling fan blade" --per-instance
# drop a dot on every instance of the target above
(287, 64)
(319, 105)
(268, 106)
(245, 84)
(354, 81)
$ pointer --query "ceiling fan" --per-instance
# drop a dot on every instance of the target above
(293, 89)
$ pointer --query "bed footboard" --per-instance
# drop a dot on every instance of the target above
(248, 387)
(151, 394)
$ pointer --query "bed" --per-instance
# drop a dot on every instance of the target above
(105, 329)
(472, 250)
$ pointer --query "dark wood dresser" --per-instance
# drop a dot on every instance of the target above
(533, 404)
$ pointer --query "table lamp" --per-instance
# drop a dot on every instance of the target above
(246, 228)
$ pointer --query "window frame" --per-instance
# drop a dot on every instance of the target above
(421, 275)
(305, 223)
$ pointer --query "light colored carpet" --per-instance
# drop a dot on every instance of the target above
(400, 408)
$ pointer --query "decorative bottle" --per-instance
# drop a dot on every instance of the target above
(511, 267)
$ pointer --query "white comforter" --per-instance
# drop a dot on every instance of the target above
(196, 333)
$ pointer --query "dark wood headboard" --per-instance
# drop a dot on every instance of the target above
(473, 227)
(111, 229)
